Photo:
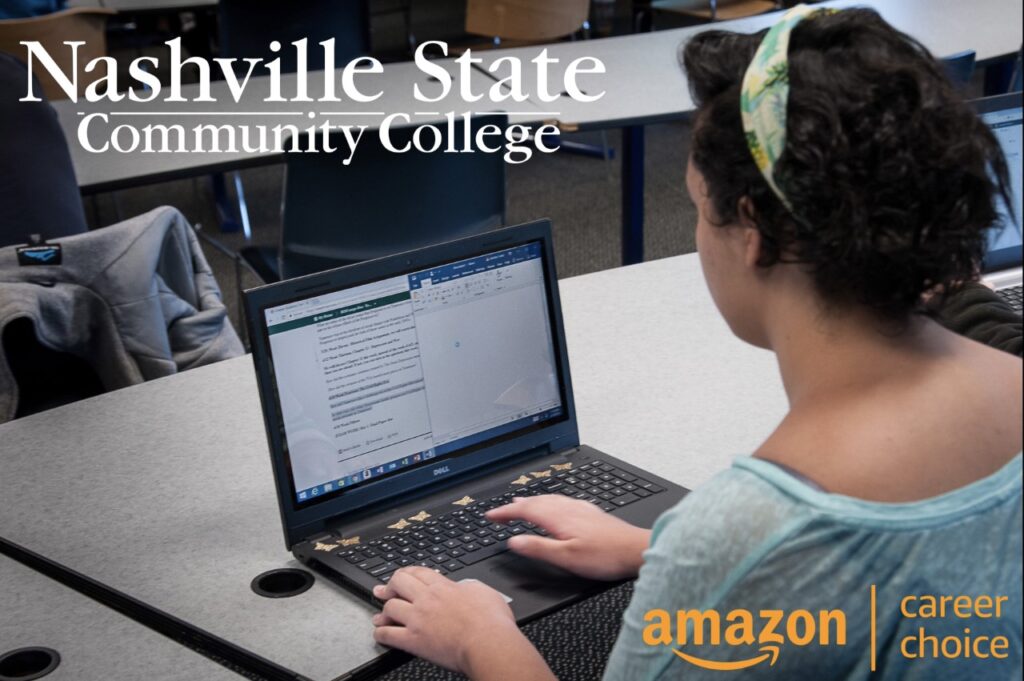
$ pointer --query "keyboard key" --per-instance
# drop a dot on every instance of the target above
(625, 499)
(371, 563)
(381, 569)
(452, 566)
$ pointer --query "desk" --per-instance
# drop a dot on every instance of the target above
(164, 492)
(645, 83)
(94, 642)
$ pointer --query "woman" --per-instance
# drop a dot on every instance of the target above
(838, 181)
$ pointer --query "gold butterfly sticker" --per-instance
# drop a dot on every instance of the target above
(521, 480)
(400, 525)
(561, 466)
(464, 501)
(324, 547)
(420, 517)
(351, 541)
(542, 474)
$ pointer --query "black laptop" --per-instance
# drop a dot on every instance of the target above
(404, 397)
(1002, 265)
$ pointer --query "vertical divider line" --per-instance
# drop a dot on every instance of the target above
(873, 627)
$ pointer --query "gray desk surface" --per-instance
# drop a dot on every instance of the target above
(645, 83)
(94, 642)
(164, 491)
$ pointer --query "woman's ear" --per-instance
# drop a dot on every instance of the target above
(747, 219)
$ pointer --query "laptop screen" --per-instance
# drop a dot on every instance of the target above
(1004, 239)
(385, 376)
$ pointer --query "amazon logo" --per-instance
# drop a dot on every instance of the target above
(768, 630)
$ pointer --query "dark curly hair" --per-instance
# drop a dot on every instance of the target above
(889, 172)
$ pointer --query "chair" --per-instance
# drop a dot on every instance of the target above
(382, 203)
(524, 22)
(51, 30)
(528, 21)
(247, 28)
(960, 68)
(38, 190)
(714, 10)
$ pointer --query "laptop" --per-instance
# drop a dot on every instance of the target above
(404, 397)
(1002, 263)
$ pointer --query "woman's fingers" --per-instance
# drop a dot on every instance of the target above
(544, 510)
(393, 637)
(395, 612)
(539, 548)
(407, 583)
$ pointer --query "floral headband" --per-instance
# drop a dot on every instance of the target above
(765, 92)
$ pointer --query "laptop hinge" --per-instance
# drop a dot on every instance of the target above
(354, 517)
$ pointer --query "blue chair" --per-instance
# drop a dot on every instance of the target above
(247, 27)
(38, 190)
(383, 203)
(960, 68)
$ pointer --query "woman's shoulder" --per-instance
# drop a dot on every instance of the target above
(726, 519)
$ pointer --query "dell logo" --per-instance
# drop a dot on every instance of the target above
(441, 471)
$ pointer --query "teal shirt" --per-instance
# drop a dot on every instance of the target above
(756, 538)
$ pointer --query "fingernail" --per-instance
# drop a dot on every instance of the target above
(378, 590)
(375, 619)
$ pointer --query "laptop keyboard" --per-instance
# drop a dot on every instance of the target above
(455, 540)
(1012, 296)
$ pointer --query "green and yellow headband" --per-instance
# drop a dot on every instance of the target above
(764, 95)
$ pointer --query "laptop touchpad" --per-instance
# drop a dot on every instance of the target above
(533, 575)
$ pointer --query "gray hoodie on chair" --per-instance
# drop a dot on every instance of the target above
(137, 300)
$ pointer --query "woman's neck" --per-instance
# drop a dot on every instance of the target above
(825, 354)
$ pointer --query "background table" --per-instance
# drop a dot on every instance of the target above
(163, 491)
(644, 84)
(94, 642)
(108, 171)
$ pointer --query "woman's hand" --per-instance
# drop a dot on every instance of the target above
(583, 539)
(464, 626)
